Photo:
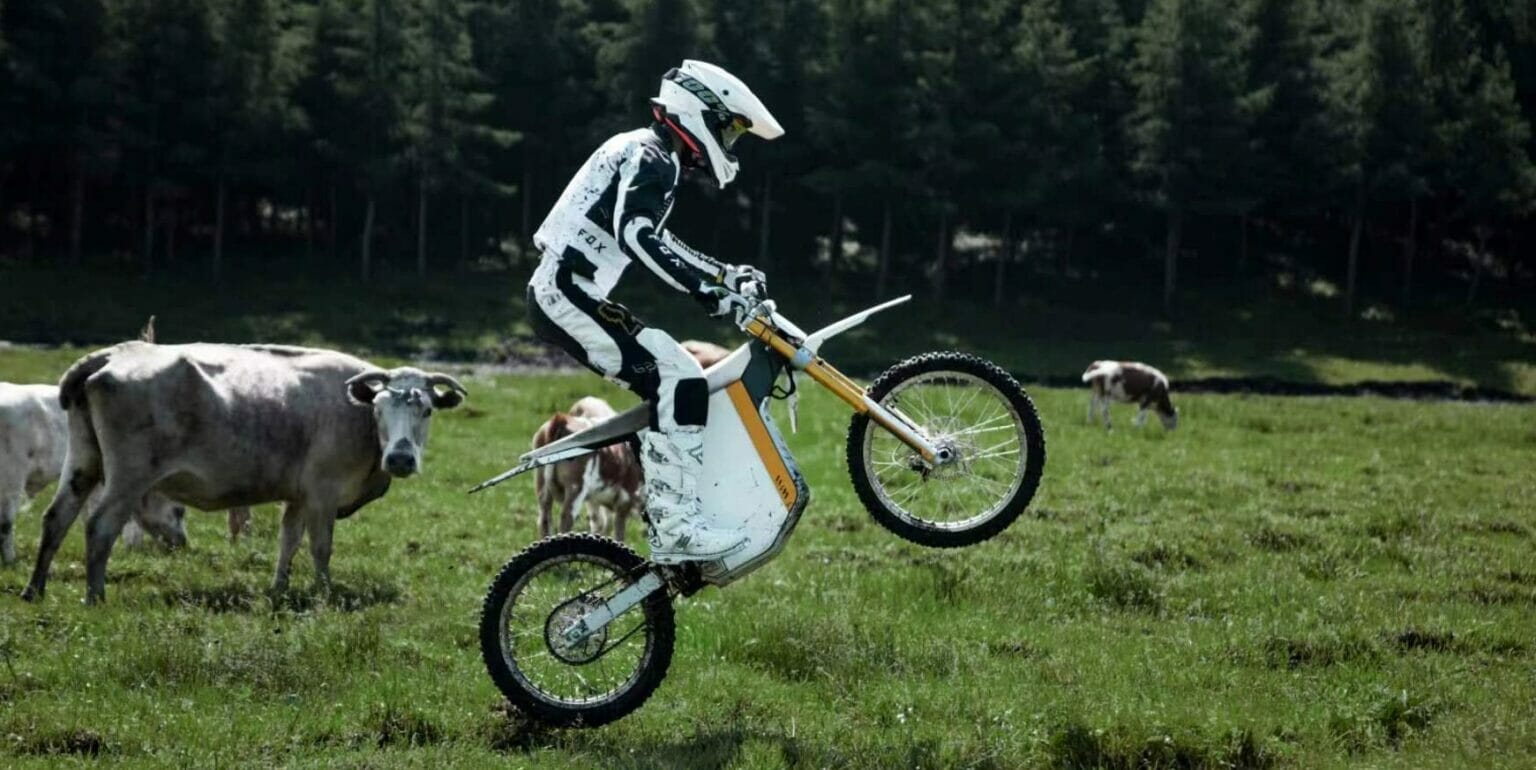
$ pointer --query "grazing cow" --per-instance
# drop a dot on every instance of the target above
(220, 426)
(1129, 382)
(605, 484)
(706, 353)
(33, 439)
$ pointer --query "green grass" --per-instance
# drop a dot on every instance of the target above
(1271, 325)
(1280, 583)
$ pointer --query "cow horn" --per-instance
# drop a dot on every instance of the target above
(363, 387)
(449, 399)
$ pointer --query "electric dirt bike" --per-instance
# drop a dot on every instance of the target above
(945, 450)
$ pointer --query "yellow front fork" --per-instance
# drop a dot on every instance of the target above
(849, 391)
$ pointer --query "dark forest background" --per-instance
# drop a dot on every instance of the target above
(1385, 145)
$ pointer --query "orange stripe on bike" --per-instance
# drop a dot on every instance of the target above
(766, 449)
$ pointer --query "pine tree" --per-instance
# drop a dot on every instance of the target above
(1189, 126)
(447, 102)
(1292, 140)
(329, 98)
(163, 50)
(1380, 104)
(58, 76)
(381, 135)
(1494, 171)
(250, 105)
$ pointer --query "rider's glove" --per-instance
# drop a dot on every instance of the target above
(735, 276)
(723, 302)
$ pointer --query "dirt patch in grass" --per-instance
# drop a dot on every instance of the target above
(1278, 540)
(1411, 639)
(1283, 652)
(1496, 527)
(1496, 594)
(508, 730)
(76, 742)
(1123, 584)
(1161, 555)
(1015, 648)
(1387, 721)
(394, 725)
(1079, 747)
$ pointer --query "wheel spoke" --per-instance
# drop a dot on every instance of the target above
(958, 408)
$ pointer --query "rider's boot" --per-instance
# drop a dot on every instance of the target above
(673, 463)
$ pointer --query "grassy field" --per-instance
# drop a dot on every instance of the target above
(1280, 583)
(1272, 325)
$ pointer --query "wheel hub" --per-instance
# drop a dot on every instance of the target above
(571, 648)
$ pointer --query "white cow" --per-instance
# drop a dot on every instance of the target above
(220, 426)
(33, 439)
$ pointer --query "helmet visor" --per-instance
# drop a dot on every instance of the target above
(734, 129)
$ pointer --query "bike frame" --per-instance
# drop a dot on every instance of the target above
(750, 481)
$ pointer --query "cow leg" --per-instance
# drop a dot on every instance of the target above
(568, 508)
(546, 499)
(1141, 416)
(287, 543)
(1093, 407)
(101, 531)
(321, 524)
(8, 507)
(620, 518)
(74, 489)
(239, 521)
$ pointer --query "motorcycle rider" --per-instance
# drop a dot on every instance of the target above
(614, 212)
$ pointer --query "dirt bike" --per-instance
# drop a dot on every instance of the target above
(945, 450)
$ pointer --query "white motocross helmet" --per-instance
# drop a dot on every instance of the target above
(710, 109)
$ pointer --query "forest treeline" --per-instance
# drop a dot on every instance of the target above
(1385, 143)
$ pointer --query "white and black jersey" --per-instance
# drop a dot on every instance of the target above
(614, 211)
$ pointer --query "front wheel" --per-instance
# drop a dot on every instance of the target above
(977, 411)
(542, 592)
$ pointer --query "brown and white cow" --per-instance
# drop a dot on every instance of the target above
(606, 484)
(706, 353)
(1129, 382)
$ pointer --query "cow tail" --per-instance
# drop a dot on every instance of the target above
(72, 384)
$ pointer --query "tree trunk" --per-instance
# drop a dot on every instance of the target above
(149, 230)
(527, 199)
(368, 238)
(1410, 250)
(941, 258)
(330, 226)
(463, 228)
(218, 229)
(1067, 250)
(1242, 255)
(1355, 229)
(76, 212)
(31, 247)
(835, 241)
(1171, 258)
(170, 233)
(421, 229)
(1477, 263)
(309, 223)
(764, 220)
(1004, 256)
(883, 270)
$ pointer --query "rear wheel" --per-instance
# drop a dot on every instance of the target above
(542, 592)
(981, 415)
